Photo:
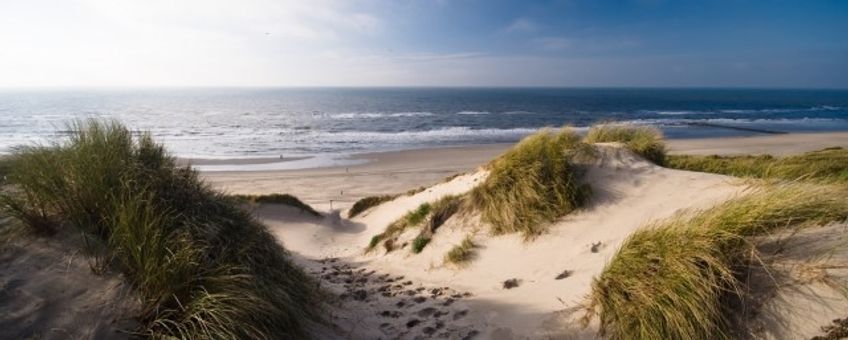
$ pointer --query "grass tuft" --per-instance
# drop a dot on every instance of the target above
(442, 210)
(677, 278)
(419, 243)
(203, 267)
(284, 199)
(411, 219)
(643, 140)
(462, 252)
(367, 203)
(530, 185)
(827, 165)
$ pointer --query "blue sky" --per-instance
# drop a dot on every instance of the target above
(741, 43)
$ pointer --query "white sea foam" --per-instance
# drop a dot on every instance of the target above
(373, 115)
(473, 113)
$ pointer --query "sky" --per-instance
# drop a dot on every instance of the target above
(588, 43)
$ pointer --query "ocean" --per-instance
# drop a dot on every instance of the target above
(225, 123)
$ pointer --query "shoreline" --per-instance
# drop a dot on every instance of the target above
(398, 171)
(775, 144)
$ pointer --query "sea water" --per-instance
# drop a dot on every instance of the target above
(328, 122)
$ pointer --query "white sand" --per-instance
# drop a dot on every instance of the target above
(628, 191)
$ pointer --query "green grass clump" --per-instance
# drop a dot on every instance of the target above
(530, 185)
(418, 215)
(4, 168)
(461, 253)
(411, 219)
(367, 203)
(645, 141)
(442, 210)
(284, 199)
(419, 243)
(202, 267)
(677, 279)
(827, 165)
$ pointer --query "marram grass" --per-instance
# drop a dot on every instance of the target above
(284, 199)
(462, 252)
(531, 185)
(411, 219)
(203, 268)
(642, 140)
(428, 216)
(827, 165)
(676, 279)
(369, 202)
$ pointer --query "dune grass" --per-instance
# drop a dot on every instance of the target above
(531, 184)
(642, 140)
(462, 252)
(678, 278)
(419, 243)
(442, 210)
(202, 267)
(411, 219)
(369, 202)
(284, 199)
(4, 168)
(826, 165)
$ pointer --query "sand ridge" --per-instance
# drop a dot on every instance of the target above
(627, 192)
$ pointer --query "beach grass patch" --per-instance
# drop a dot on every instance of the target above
(202, 266)
(462, 252)
(642, 140)
(679, 278)
(284, 199)
(419, 243)
(442, 210)
(531, 185)
(369, 202)
(411, 219)
(826, 165)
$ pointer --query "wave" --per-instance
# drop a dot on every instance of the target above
(518, 113)
(683, 121)
(442, 134)
(473, 113)
(741, 111)
(373, 115)
(677, 113)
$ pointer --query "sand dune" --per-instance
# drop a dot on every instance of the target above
(47, 291)
(628, 191)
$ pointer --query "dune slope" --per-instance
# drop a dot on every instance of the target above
(552, 272)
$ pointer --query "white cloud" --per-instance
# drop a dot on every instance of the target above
(522, 25)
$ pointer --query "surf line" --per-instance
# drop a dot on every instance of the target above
(740, 128)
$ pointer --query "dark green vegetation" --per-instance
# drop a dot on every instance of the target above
(643, 140)
(419, 243)
(531, 184)
(434, 215)
(678, 278)
(202, 267)
(4, 168)
(410, 219)
(827, 165)
(284, 199)
(367, 203)
(461, 252)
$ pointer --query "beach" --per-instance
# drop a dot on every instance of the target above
(389, 294)
(423, 260)
(399, 171)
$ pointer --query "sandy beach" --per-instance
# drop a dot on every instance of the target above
(399, 171)
(401, 295)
